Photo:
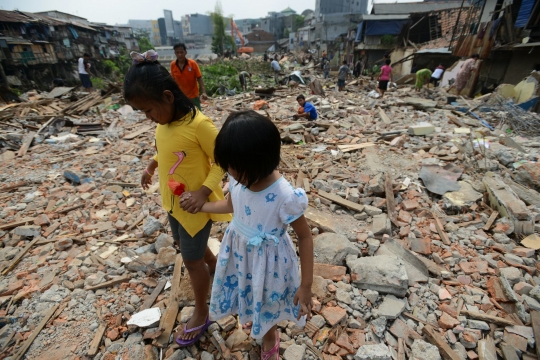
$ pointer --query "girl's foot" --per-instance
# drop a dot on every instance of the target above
(270, 346)
(196, 320)
(247, 325)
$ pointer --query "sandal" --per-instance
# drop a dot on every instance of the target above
(202, 327)
(266, 355)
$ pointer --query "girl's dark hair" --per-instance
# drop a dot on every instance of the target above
(148, 80)
(250, 144)
(387, 62)
(475, 56)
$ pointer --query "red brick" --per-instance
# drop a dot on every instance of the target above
(333, 348)
(331, 272)
(409, 205)
(519, 342)
(421, 246)
(86, 187)
(447, 322)
(523, 252)
(404, 216)
(449, 309)
(472, 355)
(474, 267)
(444, 294)
(495, 289)
(344, 342)
(13, 287)
(42, 220)
(112, 334)
(404, 231)
(334, 315)
(357, 339)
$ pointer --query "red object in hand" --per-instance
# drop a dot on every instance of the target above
(176, 187)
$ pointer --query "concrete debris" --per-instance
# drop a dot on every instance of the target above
(423, 219)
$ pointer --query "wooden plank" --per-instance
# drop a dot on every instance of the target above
(138, 220)
(489, 318)
(14, 224)
(535, 321)
(347, 148)
(440, 230)
(35, 333)
(26, 144)
(13, 187)
(401, 350)
(112, 282)
(509, 352)
(150, 300)
(169, 317)
(390, 200)
(134, 134)
(307, 188)
(94, 345)
(20, 255)
(383, 116)
(436, 339)
(339, 200)
(491, 220)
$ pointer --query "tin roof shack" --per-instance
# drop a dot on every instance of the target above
(506, 35)
(35, 47)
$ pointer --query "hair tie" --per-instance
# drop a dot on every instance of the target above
(147, 56)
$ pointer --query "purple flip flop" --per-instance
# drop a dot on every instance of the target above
(202, 327)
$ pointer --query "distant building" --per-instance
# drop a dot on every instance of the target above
(260, 40)
(186, 26)
(156, 36)
(201, 24)
(246, 25)
(162, 31)
(55, 14)
(323, 7)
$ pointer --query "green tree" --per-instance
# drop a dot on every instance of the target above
(298, 22)
(219, 40)
(145, 44)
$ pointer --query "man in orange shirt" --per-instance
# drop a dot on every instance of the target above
(187, 75)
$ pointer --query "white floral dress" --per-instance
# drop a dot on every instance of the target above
(257, 271)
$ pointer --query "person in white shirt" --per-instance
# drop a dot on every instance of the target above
(277, 69)
(84, 66)
(437, 75)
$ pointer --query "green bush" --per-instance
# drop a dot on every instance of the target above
(220, 74)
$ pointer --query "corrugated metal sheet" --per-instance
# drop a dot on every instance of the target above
(524, 13)
(416, 7)
(12, 16)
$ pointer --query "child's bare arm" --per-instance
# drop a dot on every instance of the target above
(218, 207)
(305, 245)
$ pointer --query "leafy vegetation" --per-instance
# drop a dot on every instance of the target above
(388, 40)
(220, 40)
(98, 83)
(223, 74)
(145, 44)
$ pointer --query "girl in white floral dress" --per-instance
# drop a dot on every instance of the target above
(257, 273)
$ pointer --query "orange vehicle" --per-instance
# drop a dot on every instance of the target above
(235, 30)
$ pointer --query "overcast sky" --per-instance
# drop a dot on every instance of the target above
(120, 11)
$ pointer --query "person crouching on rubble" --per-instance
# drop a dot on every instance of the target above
(244, 76)
(184, 142)
(307, 110)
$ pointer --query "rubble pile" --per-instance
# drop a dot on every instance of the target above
(425, 222)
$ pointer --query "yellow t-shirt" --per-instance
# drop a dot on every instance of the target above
(185, 153)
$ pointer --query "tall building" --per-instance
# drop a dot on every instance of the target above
(169, 23)
(178, 33)
(186, 26)
(323, 7)
(201, 24)
(156, 36)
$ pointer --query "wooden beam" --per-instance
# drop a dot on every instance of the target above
(491, 220)
(341, 201)
(489, 318)
(390, 200)
(169, 317)
(14, 224)
(150, 300)
(383, 116)
(35, 333)
(13, 187)
(26, 144)
(440, 230)
(436, 339)
(20, 255)
(112, 282)
(94, 345)
(347, 148)
(136, 133)
(535, 321)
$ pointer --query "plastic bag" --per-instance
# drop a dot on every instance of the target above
(373, 94)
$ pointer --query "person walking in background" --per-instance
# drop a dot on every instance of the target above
(188, 76)
(326, 69)
(84, 68)
(437, 75)
(343, 75)
(464, 73)
(384, 77)
(422, 77)
(275, 66)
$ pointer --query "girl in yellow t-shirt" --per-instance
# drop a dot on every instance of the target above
(185, 163)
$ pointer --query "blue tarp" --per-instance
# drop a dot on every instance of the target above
(359, 34)
(524, 13)
(384, 27)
